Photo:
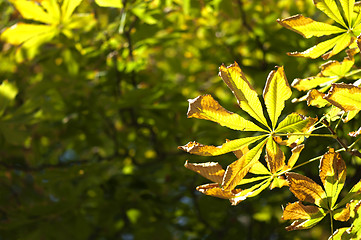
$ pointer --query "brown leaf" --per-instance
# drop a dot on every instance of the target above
(342, 214)
(214, 189)
(315, 98)
(297, 210)
(210, 170)
(274, 156)
(332, 165)
(295, 155)
(305, 189)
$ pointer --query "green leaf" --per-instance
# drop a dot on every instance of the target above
(110, 3)
(347, 6)
(246, 96)
(332, 175)
(236, 171)
(307, 27)
(205, 107)
(276, 92)
(8, 92)
(354, 193)
(229, 146)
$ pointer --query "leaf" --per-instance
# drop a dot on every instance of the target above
(53, 8)
(109, 3)
(205, 107)
(304, 216)
(313, 82)
(307, 27)
(355, 133)
(315, 98)
(31, 10)
(353, 194)
(347, 6)
(68, 7)
(295, 123)
(295, 155)
(329, 7)
(321, 48)
(8, 92)
(259, 169)
(278, 182)
(332, 174)
(213, 189)
(236, 171)
(305, 189)
(343, 42)
(336, 68)
(274, 156)
(342, 214)
(246, 96)
(250, 192)
(210, 170)
(276, 92)
(229, 146)
(345, 96)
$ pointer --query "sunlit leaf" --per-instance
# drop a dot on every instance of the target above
(205, 107)
(342, 214)
(214, 190)
(315, 98)
(313, 82)
(229, 146)
(68, 7)
(259, 169)
(274, 156)
(53, 8)
(354, 193)
(250, 192)
(308, 27)
(332, 175)
(295, 123)
(246, 96)
(31, 10)
(275, 93)
(347, 7)
(210, 170)
(305, 189)
(345, 96)
(110, 3)
(303, 216)
(295, 155)
(278, 182)
(336, 68)
(236, 171)
(21, 32)
(355, 133)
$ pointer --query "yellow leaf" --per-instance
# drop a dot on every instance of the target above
(250, 192)
(315, 98)
(210, 170)
(343, 42)
(307, 27)
(68, 7)
(305, 189)
(246, 96)
(205, 107)
(332, 175)
(296, 151)
(336, 68)
(276, 92)
(329, 7)
(229, 146)
(278, 182)
(342, 214)
(213, 189)
(53, 8)
(236, 171)
(31, 10)
(274, 156)
(345, 96)
(21, 32)
(347, 6)
(312, 82)
(110, 3)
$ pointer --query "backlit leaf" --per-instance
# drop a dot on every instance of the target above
(332, 175)
(315, 98)
(344, 41)
(305, 189)
(229, 146)
(68, 7)
(214, 190)
(353, 194)
(274, 156)
(345, 96)
(246, 96)
(304, 216)
(295, 155)
(329, 7)
(312, 82)
(278, 182)
(210, 170)
(205, 107)
(31, 10)
(295, 123)
(307, 27)
(276, 92)
(336, 68)
(110, 3)
(236, 171)
(53, 8)
(342, 214)
(250, 192)
(347, 6)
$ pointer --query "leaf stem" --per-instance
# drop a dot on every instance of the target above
(306, 134)
(331, 219)
(334, 134)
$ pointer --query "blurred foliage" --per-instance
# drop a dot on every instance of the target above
(90, 119)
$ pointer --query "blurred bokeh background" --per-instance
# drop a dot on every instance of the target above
(93, 107)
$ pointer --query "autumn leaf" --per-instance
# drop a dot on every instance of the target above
(342, 36)
(345, 96)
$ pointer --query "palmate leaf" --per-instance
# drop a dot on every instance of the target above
(246, 96)
(345, 35)
(345, 96)
(276, 92)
